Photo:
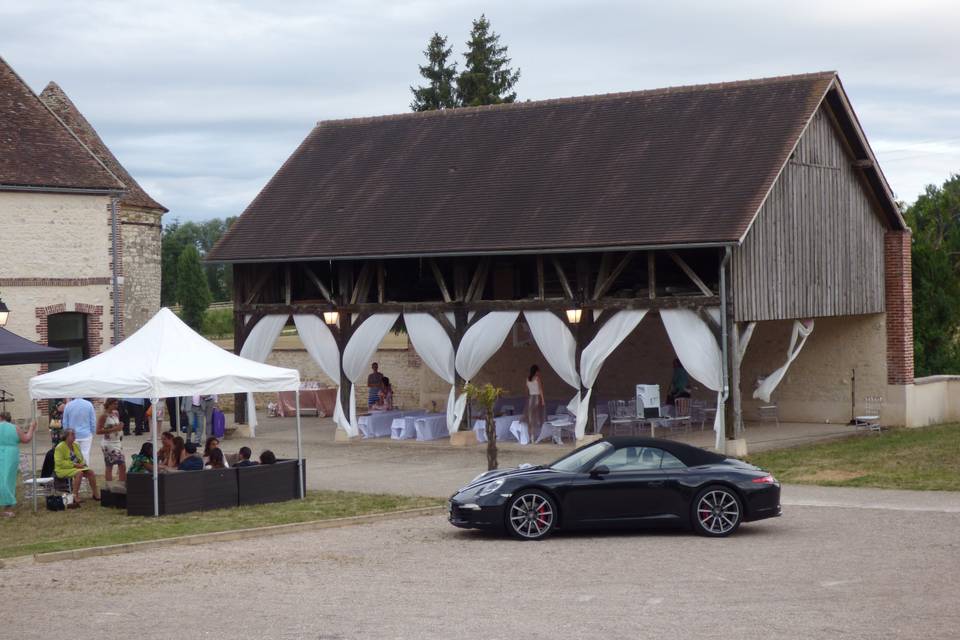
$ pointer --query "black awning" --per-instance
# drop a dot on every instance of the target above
(17, 350)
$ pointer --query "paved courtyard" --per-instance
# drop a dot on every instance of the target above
(882, 566)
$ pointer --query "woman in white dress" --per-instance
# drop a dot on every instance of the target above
(109, 426)
(534, 413)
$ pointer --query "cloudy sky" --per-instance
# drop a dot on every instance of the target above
(202, 101)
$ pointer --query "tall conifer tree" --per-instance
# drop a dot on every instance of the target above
(439, 93)
(487, 77)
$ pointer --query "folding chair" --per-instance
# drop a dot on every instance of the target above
(870, 421)
(32, 484)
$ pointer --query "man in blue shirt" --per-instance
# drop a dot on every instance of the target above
(80, 416)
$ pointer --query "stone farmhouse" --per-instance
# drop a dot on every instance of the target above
(69, 212)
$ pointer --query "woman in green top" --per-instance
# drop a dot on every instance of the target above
(68, 462)
(10, 438)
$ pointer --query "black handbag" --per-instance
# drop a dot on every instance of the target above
(55, 503)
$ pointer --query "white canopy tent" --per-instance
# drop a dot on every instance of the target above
(166, 358)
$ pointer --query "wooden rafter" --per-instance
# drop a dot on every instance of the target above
(258, 285)
(680, 262)
(651, 275)
(317, 282)
(541, 285)
(744, 338)
(381, 282)
(607, 282)
(362, 288)
(564, 283)
(479, 282)
(438, 276)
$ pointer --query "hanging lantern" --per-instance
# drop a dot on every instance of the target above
(331, 317)
(573, 315)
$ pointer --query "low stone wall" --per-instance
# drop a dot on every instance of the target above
(930, 400)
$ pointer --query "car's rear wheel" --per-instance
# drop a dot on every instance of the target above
(717, 511)
(531, 515)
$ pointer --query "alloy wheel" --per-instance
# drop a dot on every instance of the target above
(718, 512)
(531, 515)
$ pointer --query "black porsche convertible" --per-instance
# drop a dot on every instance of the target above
(620, 482)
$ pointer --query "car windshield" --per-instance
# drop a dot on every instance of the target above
(578, 459)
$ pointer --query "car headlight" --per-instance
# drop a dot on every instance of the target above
(491, 487)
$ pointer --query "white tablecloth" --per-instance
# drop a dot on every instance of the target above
(377, 424)
(403, 428)
(502, 424)
(431, 426)
(520, 431)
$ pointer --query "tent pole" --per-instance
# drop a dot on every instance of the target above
(33, 451)
(177, 412)
(153, 435)
(299, 449)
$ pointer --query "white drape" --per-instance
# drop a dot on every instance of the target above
(257, 347)
(436, 350)
(322, 347)
(358, 352)
(608, 338)
(557, 344)
(801, 331)
(478, 345)
(698, 352)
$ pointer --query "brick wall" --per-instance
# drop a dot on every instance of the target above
(898, 282)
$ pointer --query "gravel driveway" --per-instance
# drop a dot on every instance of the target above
(817, 572)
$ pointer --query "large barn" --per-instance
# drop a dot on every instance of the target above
(755, 207)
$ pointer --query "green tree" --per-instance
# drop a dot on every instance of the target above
(485, 398)
(487, 77)
(439, 92)
(935, 221)
(202, 236)
(193, 294)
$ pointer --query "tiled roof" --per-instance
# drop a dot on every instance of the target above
(36, 149)
(58, 102)
(686, 165)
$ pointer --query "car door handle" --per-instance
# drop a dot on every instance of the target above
(656, 483)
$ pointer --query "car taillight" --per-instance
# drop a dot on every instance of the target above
(764, 480)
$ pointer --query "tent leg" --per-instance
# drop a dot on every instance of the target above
(177, 412)
(299, 449)
(153, 432)
(33, 452)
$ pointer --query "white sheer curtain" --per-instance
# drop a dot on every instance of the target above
(478, 345)
(322, 347)
(608, 338)
(436, 350)
(558, 346)
(258, 346)
(358, 352)
(801, 331)
(698, 352)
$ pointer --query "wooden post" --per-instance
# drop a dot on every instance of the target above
(735, 397)
(239, 399)
(732, 406)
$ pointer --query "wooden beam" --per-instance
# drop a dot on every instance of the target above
(317, 282)
(258, 285)
(680, 262)
(438, 276)
(381, 282)
(712, 323)
(744, 339)
(287, 284)
(601, 273)
(564, 283)
(604, 286)
(651, 275)
(479, 282)
(482, 306)
(444, 321)
(541, 285)
(362, 287)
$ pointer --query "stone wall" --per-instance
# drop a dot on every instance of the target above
(140, 233)
(56, 256)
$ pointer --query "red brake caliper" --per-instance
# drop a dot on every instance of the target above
(540, 511)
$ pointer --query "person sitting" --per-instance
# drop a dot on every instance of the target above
(142, 462)
(244, 458)
(216, 460)
(193, 461)
(68, 463)
(385, 401)
(175, 453)
(267, 457)
(208, 448)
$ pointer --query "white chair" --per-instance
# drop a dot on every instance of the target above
(870, 420)
(770, 413)
(682, 418)
(31, 483)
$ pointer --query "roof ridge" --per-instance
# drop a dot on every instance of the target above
(599, 97)
(36, 97)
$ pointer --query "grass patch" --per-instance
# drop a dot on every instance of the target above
(94, 526)
(923, 459)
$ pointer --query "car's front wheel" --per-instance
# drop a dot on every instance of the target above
(531, 515)
(717, 512)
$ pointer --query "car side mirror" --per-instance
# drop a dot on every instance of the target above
(600, 470)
